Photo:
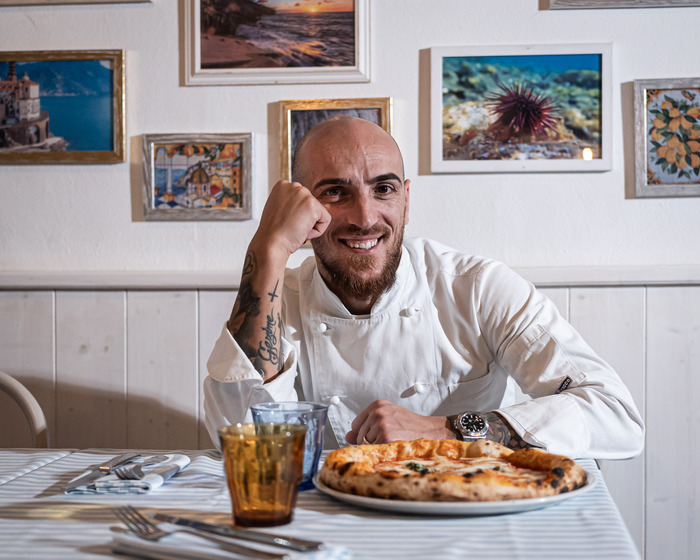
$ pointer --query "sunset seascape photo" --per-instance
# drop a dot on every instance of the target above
(277, 33)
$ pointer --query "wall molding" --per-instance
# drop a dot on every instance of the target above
(598, 276)
(229, 280)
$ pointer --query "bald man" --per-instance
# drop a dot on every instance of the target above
(401, 338)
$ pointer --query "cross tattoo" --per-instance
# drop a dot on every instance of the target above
(273, 294)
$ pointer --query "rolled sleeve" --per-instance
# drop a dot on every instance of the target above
(233, 384)
(555, 423)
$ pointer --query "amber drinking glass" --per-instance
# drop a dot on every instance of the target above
(264, 465)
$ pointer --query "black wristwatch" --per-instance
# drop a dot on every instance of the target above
(470, 426)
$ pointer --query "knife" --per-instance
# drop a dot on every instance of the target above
(236, 533)
(101, 470)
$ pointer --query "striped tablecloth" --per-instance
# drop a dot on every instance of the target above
(16, 462)
(38, 521)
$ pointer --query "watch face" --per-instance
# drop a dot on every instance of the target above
(473, 423)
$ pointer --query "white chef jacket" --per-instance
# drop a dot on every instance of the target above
(445, 338)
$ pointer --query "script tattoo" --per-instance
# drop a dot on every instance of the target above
(268, 350)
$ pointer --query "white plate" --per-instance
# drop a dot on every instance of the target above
(456, 508)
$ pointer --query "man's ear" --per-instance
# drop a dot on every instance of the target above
(407, 187)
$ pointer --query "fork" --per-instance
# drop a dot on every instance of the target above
(144, 528)
(129, 472)
(134, 471)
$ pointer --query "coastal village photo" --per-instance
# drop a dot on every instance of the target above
(56, 102)
(24, 126)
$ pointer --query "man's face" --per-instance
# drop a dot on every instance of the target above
(357, 173)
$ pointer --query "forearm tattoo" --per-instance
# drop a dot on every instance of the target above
(268, 351)
(501, 432)
(260, 342)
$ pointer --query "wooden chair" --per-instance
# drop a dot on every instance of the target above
(30, 407)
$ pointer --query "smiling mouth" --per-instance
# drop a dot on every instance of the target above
(369, 244)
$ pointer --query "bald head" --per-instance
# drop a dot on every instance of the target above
(337, 133)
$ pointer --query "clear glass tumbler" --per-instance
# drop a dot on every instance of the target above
(312, 414)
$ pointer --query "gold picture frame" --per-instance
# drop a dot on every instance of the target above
(197, 177)
(299, 116)
(68, 126)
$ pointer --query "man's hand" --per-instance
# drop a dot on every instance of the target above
(291, 217)
(384, 422)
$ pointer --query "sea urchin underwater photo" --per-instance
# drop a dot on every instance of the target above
(521, 107)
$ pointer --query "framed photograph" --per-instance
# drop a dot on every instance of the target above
(197, 177)
(579, 4)
(276, 42)
(520, 108)
(667, 137)
(62, 107)
(59, 2)
(298, 117)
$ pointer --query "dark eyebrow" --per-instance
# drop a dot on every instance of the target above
(331, 181)
(386, 177)
(344, 181)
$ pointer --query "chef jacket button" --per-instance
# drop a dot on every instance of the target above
(335, 399)
(322, 327)
(419, 387)
(411, 311)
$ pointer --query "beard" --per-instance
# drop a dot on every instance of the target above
(340, 276)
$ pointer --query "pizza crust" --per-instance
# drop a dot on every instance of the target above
(449, 470)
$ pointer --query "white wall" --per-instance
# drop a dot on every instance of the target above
(89, 218)
(70, 222)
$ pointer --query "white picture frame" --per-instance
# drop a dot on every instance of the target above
(228, 60)
(465, 137)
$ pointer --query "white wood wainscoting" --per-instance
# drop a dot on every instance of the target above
(118, 360)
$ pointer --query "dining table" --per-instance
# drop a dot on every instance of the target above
(39, 520)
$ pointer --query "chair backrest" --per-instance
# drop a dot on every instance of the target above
(30, 407)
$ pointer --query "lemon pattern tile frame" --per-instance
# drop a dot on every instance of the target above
(667, 137)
